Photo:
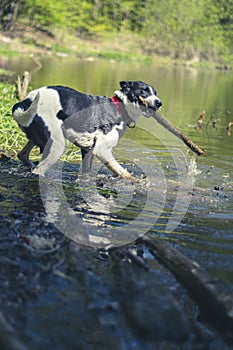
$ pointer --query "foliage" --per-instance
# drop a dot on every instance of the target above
(6, 73)
(11, 137)
(8, 10)
(183, 29)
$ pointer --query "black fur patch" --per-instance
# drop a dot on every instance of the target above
(25, 104)
(38, 132)
(134, 89)
(90, 112)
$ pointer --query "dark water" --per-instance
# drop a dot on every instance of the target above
(74, 298)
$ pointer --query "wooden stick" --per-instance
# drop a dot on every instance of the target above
(167, 125)
(23, 85)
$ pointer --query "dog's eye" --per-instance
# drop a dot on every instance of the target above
(144, 92)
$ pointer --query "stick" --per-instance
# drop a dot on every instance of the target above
(167, 125)
(208, 292)
(23, 85)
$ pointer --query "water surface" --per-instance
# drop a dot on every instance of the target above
(196, 197)
(185, 93)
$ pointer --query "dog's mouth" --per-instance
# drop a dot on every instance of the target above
(148, 109)
(147, 112)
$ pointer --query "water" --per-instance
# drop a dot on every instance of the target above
(185, 92)
(191, 198)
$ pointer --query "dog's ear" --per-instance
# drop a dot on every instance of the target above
(126, 88)
(125, 85)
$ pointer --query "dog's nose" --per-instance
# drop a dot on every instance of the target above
(158, 103)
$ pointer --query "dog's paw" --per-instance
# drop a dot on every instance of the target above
(38, 171)
(140, 180)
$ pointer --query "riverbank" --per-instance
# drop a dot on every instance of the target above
(30, 40)
(123, 46)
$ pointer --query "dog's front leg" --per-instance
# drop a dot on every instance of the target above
(117, 169)
(103, 151)
(52, 152)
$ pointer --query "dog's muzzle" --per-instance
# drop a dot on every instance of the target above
(158, 103)
(150, 105)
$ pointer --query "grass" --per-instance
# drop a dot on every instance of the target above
(6, 73)
(7, 50)
(123, 46)
(111, 46)
(125, 57)
(12, 139)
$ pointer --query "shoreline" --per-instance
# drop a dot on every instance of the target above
(36, 42)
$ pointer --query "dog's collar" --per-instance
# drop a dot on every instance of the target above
(121, 109)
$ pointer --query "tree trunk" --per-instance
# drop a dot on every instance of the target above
(8, 12)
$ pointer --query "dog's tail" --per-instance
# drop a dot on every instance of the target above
(25, 117)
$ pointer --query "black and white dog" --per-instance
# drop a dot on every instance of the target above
(51, 114)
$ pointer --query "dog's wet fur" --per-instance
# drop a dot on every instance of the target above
(51, 114)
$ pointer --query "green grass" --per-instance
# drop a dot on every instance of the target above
(12, 139)
(6, 73)
(57, 48)
(6, 50)
(109, 46)
(125, 57)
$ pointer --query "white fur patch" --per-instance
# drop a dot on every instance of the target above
(87, 139)
(18, 114)
(152, 100)
(47, 107)
(23, 117)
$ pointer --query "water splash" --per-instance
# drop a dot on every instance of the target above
(192, 167)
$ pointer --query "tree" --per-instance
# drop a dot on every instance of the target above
(183, 29)
(8, 9)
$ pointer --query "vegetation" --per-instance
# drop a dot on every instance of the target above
(195, 30)
(10, 137)
(5, 73)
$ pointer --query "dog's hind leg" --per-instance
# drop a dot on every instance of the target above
(23, 155)
(87, 157)
(52, 152)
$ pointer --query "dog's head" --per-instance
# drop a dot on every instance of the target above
(141, 95)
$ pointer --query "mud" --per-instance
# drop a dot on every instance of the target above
(59, 295)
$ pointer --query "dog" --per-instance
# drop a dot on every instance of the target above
(51, 114)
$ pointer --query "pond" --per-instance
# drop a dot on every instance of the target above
(187, 202)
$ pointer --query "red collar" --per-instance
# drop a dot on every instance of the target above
(121, 109)
(116, 101)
